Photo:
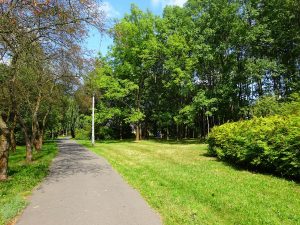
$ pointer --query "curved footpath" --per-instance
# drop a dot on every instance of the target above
(83, 189)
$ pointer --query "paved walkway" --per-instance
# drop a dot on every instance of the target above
(83, 189)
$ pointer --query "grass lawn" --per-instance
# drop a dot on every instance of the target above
(23, 178)
(187, 187)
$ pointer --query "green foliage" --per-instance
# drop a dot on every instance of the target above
(269, 105)
(202, 65)
(23, 178)
(134, 117)
(84, 127)
(270, 144)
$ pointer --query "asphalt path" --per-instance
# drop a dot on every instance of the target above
(83, 189)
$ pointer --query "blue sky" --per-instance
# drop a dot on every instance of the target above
(117, 9)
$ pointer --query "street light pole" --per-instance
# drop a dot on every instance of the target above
(93, 121)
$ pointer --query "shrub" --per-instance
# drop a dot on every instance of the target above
(269, 144)
(82, 134)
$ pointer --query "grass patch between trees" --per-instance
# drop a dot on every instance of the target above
(187, 187)
(23, 178)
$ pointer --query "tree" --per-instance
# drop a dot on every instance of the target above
(34, 37)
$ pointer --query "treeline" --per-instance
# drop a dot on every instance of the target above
(40, 64)
(193, 68)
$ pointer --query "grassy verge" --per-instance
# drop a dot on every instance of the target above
(187, 187)
(23, 178)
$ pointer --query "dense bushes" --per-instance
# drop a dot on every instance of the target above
(269, 144)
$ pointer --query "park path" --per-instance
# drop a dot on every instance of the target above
(83, 189)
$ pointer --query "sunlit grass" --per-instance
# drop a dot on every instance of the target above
(187, 187)
(23, 178)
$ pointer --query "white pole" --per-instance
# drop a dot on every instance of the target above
(93, 122)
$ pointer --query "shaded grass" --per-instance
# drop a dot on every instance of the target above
(187, 187)
(23, 178)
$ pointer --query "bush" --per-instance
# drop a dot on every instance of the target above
(82, 134)
(270, 144)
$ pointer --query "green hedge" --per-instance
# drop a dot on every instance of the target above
(270, 144)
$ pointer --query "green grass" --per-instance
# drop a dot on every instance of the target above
(187, 187)
(23, 178)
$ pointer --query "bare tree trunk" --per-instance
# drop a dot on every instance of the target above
(177, 132)
(28, 140)
(140, 127)
(121, 131)
(4, 149)
(168, 138)
(38, 141)
(208, 125)
(35, 124)
(28, 149)
(13, 144)
(73, 132)
(137, 132)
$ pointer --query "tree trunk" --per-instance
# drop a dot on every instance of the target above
(4, 149)
(168, 133)
(28, 149)
(177, 132)
(137, 132)
(38, 141)
(207, 125)
(121, 131)
(140, 127)
(73, 132)
(13, 144)
(28, 140)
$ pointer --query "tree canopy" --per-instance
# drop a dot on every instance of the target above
(196, 66)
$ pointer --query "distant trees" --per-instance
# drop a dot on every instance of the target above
(198, 66)
(40, 58)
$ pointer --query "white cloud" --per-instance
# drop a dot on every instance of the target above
(109, 10)
(163, 3)
(155, 2)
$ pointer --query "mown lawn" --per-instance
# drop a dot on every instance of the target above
(187, 187)
(23, 178)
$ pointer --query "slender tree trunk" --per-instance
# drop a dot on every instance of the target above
(207, 125)
(121, 131)
(13, 144)
(35, 124)
(73, 132)
(177, 132)
(28, 140)
(140, 127)
(137, 132)
(168, 138)
(203, 126)
(38, 142)
(28, 149)
(4, 149)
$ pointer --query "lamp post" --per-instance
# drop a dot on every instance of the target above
(93, 120)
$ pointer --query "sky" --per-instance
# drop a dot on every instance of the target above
(117, 9)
